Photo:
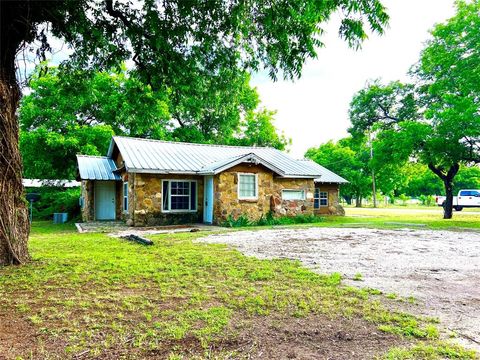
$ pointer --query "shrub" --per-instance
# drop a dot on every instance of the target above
(404, 198)
(270, 220)
(55, 200)
(241, 221)
(427, 200)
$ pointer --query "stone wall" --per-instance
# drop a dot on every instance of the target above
(334, 207)
(292, 207)
(146, 201)
(88, 209)
(269, 195)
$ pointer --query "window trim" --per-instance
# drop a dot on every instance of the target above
(296, 190)
(238, 187)
(318, 191)
(125, 197)
(189, 196)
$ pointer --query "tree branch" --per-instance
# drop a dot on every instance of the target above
(437, 171)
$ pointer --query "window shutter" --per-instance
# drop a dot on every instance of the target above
(193, 195)
(165, 196)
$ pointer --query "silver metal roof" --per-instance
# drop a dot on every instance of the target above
(97, 168)
(327, 176)
(154, 156)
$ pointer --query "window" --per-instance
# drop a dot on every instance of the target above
(247, 186)
(179, 195)
(469, 193)
(293, 195)
(125, 196)
(320, 198)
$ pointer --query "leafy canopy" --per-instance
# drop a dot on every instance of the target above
(349, 159)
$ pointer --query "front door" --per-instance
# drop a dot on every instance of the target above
(208, 200)
(105, 200)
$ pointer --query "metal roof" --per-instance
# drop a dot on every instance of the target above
(327, 176)
(155, 156)
(97, 168)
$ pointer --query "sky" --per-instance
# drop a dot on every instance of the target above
(314, 109)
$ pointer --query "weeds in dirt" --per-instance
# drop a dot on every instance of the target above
(357, 277)
(430, 351)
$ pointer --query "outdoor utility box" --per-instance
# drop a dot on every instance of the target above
(60, 218)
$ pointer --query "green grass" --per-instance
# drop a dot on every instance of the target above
(96, 292)
(398, 218)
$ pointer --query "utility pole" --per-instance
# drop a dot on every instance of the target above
(374, 198)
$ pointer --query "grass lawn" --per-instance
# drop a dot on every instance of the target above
(430, 218)
(90, 295)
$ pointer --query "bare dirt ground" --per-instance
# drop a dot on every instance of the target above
(440, 269)
(267, 337)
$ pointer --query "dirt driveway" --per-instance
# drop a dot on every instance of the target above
(440, 269)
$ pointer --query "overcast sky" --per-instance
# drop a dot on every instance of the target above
(314, 109)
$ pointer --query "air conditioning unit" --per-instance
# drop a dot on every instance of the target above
(60, 218)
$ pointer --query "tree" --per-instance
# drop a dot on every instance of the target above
(419, 180)
(170, 43)
(67, 113)
(60, 99)
(448, 76)
(436, 119)
(349, 159)
(257, 129)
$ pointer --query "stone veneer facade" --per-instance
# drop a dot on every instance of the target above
(145, 198)
(269, 195)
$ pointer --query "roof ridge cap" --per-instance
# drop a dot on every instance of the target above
(94, 156)
(195, 144)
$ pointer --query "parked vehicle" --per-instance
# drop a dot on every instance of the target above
(466, 198)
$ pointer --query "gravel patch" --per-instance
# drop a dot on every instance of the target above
(440, 269)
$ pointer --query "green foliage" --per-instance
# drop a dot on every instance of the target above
(434, 351)
(52, 154)
(300, 219)
(61, 101)
(427, 200)
(348, 158)
(257, 129)
(403, 198)
(240, 221)
(55, 200)
(270, 220)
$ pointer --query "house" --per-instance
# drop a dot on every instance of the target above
(151, 182)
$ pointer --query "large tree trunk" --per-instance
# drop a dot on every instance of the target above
(448, 206)
(14, 221)
(447, 179)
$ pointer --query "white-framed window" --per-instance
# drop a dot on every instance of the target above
(125, 196)
(320, 199)
(247, 186)
(288, 194)
(179, 195)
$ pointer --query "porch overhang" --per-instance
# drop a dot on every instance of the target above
(97, 168)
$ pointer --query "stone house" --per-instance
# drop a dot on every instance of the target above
(150, 182)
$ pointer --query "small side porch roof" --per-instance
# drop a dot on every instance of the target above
(97, 168)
